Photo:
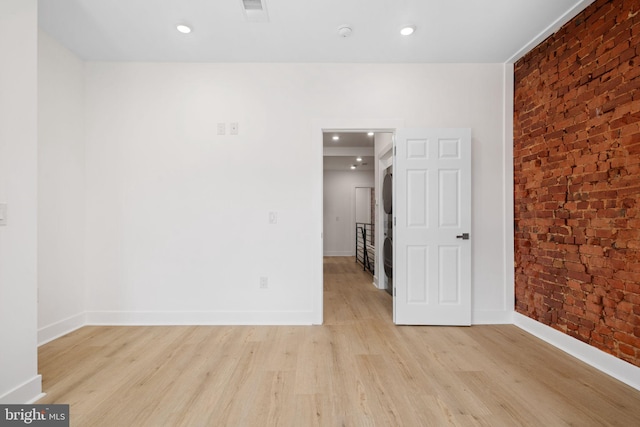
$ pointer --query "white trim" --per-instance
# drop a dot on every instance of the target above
(27, 392)
(552, 28)
(375, 282)
(383, 152)
(507, 196)
(339, 253)
(222, 318)
(58, 329)
(35, 399)
(492, 317)
(610, 365)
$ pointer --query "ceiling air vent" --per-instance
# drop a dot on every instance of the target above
(255, 10)
(252, 4)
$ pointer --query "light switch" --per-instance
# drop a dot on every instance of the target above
(3, 214)
(233, 128)
(273, 217)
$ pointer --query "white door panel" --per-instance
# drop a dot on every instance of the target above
(432, 193)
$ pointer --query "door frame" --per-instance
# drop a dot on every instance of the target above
(318, 127)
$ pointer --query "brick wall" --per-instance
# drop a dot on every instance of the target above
(577, 179)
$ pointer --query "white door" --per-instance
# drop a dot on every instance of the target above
(432, 213)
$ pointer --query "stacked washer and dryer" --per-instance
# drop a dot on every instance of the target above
(387, 249)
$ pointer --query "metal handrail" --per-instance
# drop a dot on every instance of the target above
(364, 243)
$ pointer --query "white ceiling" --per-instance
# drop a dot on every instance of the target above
(303, 30)
(343, 163)
(355, 144)
(347, 139)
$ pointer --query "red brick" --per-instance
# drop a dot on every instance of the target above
(627, 339)
(625, 307)
(591, 250)
(574, 266)
(577, 179)
(627, 349)
(627, 276)
(594, 308)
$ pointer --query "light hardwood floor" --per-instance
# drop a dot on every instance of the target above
(358, 369)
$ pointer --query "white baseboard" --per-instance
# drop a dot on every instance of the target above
(114, 318)
(58, 329)
(35, 399)
(338, 253)
(375, 281)
(27, 392)
(491, 317)
(610, 365)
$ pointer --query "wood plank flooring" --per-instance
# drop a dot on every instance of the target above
(358, 369)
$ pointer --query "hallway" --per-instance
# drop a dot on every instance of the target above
(349, 295)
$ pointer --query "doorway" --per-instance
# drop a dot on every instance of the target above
(444, 295)
(350, 217)
(319, 128)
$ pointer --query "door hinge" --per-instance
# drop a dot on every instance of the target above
(395, 150)
(394, 291)
(394, 221)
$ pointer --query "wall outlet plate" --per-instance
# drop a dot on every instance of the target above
(3, 214)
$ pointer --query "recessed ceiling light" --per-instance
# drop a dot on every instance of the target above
(358, 159)
(184, 29)
(335, 137)
(408, 30)
(370, 134)
(353, 167)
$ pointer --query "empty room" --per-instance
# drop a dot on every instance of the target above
(285, 213)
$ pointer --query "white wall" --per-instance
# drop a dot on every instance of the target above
(174, 211)
(61, 195)
(363, 203)
(339, 209)
(19, 380)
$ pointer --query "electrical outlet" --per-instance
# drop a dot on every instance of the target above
(264, 283)
(222, 129)
(3, 214)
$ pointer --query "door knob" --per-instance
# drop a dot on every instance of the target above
(463, 236)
